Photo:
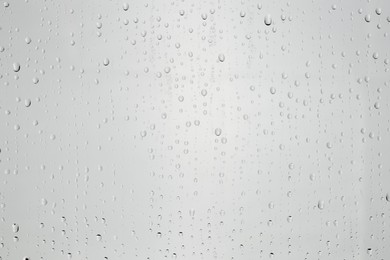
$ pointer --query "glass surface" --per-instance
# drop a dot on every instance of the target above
(194, 130)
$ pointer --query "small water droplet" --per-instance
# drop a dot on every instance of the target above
(221, 57)
(15, 228)
(321, 204)
(99, 237)
(218, 131)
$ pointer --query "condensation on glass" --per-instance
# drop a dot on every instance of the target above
(194, 129)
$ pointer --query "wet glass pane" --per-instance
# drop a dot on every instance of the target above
(194, 129)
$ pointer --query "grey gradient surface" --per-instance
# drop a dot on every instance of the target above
(194, 130)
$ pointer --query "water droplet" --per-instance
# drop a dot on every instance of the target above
(99, 237)
(44, 202)
(321, 204)
(16, 67)
(15, 228)
(291, 166)
(27, 103)
(268, 20)
(221, 57)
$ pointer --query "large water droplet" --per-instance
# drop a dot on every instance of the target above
(268, 20)
(16, 67)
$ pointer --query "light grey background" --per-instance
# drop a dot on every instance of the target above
(194, 129)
